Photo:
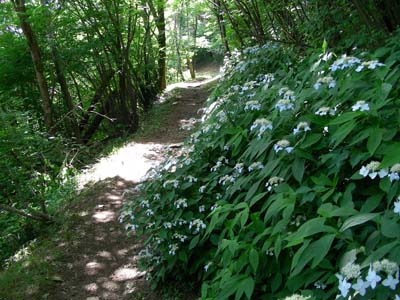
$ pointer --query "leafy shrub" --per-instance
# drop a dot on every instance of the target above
(292, 176)
(34, 171)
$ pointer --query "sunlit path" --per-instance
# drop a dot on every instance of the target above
(100, 260)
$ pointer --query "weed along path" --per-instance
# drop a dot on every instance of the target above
(99, 261)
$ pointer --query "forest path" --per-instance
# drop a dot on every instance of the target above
(99, 261)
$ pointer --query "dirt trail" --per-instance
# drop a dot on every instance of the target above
(99, 260)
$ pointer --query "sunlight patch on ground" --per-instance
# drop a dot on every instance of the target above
(185, 85)
(130, 162)
(126, 273)
(104, 216)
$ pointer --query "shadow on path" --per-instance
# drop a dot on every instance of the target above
(99, 259)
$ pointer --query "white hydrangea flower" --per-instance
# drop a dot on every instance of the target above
(361, 286)
(174, 183)
(226, 179)
(207, 266)
(273, 181)
(391, 282)
(149, 212)
(361, 106)
(283, 145)
(302, 126)
(197, 225)
(297, 297)
(172, 249)
(372, 64)
(202, 188)
(394, 173)
(286, 93)
(373, 170)
(191, 178)
(319, 285)
(351, 270)
(284, 104)
(202, 208)
(325, 110)
(344, 286)
(239, 168)
(328, 80)
(344, 62)
(256, 166)
(387, 266)
(252, 105)
(289, 95)
(145, 204)
(261, 125)
(167, 225)
(182, 202)
(181, 237)
(372, 277)
(396, 209)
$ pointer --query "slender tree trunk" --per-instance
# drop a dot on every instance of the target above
(221, 26)
(19, 6)
(162, 44)
(177, 49)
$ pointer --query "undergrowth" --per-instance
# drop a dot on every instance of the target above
(290, 186)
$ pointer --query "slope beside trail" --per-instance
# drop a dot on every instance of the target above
(99, 260)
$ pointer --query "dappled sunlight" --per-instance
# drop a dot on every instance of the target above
(104, 216)
(126, 273)
(93, 267)
(130, 163)
(195, 84)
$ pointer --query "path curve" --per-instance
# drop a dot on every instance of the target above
(99, 260)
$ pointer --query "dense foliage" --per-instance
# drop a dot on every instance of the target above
(289, 184)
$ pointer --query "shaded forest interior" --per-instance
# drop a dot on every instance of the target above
(75, 73)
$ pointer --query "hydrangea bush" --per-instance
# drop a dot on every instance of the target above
(289, 187)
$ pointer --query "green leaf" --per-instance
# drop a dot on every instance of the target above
(255, 199)
(390, 228)
(342, 132)
(310, 140)
(321, 248)
(309, 228)
(298, 169)
(253, 259)
(358, 219)
(374, 140)
(391, 155)
(248, 285)
(194, 242)
(345, 117)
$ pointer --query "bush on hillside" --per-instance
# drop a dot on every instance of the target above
(289, 186)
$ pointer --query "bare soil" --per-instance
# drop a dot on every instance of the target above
(99, 260)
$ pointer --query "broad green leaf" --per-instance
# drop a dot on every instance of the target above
(328, 211)
(390, 227)
(321, 248)
(309, 228)
(248, 284)
(256, 198)
(194, 242)
(358, 219)
(374, 140)
(298, 169)
(253, 259)
(391, 155)
(342, 132)
(310, 140)
(345, 117)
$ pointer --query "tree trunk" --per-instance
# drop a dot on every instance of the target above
(221, 26)
(19, 6)
(162, 44)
